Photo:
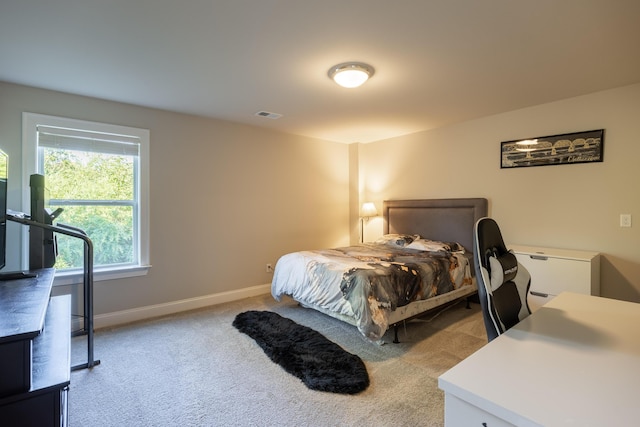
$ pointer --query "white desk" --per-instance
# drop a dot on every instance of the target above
(574, 362)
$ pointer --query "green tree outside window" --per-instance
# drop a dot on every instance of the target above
(97, 193)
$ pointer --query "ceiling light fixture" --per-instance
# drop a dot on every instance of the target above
(351, 74)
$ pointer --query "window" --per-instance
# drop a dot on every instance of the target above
(98, 174)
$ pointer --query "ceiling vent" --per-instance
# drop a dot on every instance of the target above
(268, 115)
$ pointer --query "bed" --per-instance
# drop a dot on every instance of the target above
(423, 260)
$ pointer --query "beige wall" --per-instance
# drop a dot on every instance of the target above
(226, 199)
(569, 206)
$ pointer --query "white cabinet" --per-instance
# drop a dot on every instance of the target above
(459, 413)
(557, 270)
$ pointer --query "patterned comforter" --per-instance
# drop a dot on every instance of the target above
(365, 282)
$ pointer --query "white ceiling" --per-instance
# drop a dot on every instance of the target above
(437, 61)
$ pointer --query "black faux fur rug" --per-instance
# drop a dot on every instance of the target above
(320, 364)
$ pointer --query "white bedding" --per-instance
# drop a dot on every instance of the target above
(364, 284)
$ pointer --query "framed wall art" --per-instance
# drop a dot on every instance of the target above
(568, 148)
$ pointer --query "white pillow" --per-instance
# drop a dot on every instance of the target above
(398, 240)
(435, 246)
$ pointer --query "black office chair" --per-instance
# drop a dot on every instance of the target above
(503, 283)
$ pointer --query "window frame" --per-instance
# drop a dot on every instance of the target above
(30, 122)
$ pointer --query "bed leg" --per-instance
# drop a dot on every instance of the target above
(395, 334)
(468, 303)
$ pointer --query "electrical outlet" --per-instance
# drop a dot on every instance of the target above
(625, 220)
(269, 268)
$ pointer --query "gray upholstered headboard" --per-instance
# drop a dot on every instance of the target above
(448, 220)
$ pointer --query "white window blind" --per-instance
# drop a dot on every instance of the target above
(82, 140)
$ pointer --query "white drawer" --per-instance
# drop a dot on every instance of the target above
(537, 300)
(554, 275)
(459, 413)
(558, 270)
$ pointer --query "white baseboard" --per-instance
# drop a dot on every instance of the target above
(150, 311)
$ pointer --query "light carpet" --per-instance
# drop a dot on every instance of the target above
(196, 369)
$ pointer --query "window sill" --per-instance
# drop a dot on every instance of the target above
(77, 276)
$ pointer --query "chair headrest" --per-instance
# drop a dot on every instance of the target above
(502, 268)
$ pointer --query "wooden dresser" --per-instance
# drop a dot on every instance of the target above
(35, 346)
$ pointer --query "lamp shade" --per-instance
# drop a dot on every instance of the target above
(368, 209)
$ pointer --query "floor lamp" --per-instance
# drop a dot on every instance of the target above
(368, 210)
